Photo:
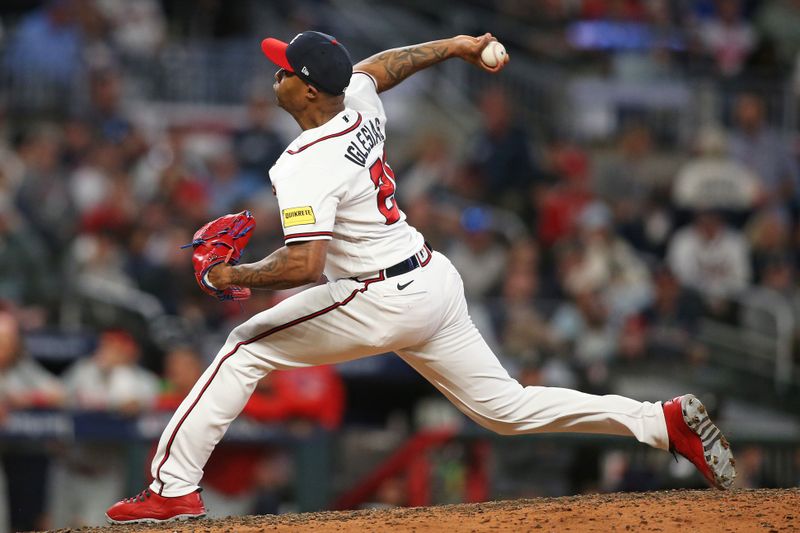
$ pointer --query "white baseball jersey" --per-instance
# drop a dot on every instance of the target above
(333, 182)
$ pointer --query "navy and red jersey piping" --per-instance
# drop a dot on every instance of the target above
(308, 235)
(326, 137)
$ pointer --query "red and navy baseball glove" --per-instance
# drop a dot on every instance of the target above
(221, 241)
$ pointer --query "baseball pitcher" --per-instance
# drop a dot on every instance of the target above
(387, 290)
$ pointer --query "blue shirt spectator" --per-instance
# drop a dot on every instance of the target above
(763, 150)
(47, 43)
(501, 151)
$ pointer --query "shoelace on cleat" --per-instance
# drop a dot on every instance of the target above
(142, 496)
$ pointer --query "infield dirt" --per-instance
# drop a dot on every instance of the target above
(774, 510)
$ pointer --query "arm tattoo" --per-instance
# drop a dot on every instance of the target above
(393, 66)
(279, 270)
(403, 62)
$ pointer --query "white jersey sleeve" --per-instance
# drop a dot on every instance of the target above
(307, 199)
(362, 95)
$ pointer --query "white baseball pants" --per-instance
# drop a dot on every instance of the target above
(427, 324)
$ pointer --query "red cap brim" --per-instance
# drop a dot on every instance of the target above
(275, 51)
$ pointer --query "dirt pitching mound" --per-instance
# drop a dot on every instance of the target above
(680, 511)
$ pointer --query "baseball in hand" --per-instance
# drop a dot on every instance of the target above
(493, 54)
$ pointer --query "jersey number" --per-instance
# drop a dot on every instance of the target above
(383, 178)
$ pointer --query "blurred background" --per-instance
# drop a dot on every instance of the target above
(623, 203)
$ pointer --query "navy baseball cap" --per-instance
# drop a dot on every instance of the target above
(316, 58)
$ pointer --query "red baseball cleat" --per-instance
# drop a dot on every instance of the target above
(694, 436)
(147, 506)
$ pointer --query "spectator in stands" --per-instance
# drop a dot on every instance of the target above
(228, 185)
(111, 381)
(24, 384)
(728, 37)
(258, 144)
(91, 182)
(439, 221)
(710, 257)
(433, 168)
(775, 265)
(159, 165)
(138, 27)
(94, 30)
(100, 253)
(608, 266)
(105, 111)
(152, 261)
(764, 151)
(233, 475)
(669, 324)
(182, 367)
(480, 258)
(42, 197)
(779, 286)
(522, 328)
(77, 143)
(188, 197)
(770, 237)
(779, 21)
(47, 44)
(626, 179)
(640, 37)
(524, 255)
(502, 153)
(469, 182)
(99, 257)
(25, 278)
(582, 327)
(713, 180)
(560, 204)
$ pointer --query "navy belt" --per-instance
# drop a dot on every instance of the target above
(419, 259)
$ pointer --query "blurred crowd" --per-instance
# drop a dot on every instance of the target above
(62, 483)
(575, 256)
(583, 257)
(659, 38)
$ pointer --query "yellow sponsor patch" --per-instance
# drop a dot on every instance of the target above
(297, 216)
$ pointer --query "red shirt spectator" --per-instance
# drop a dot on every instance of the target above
(562, 204)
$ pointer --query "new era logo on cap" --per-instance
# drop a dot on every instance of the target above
(312, 51)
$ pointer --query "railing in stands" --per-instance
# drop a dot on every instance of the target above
(412, 460)
(761, 342)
